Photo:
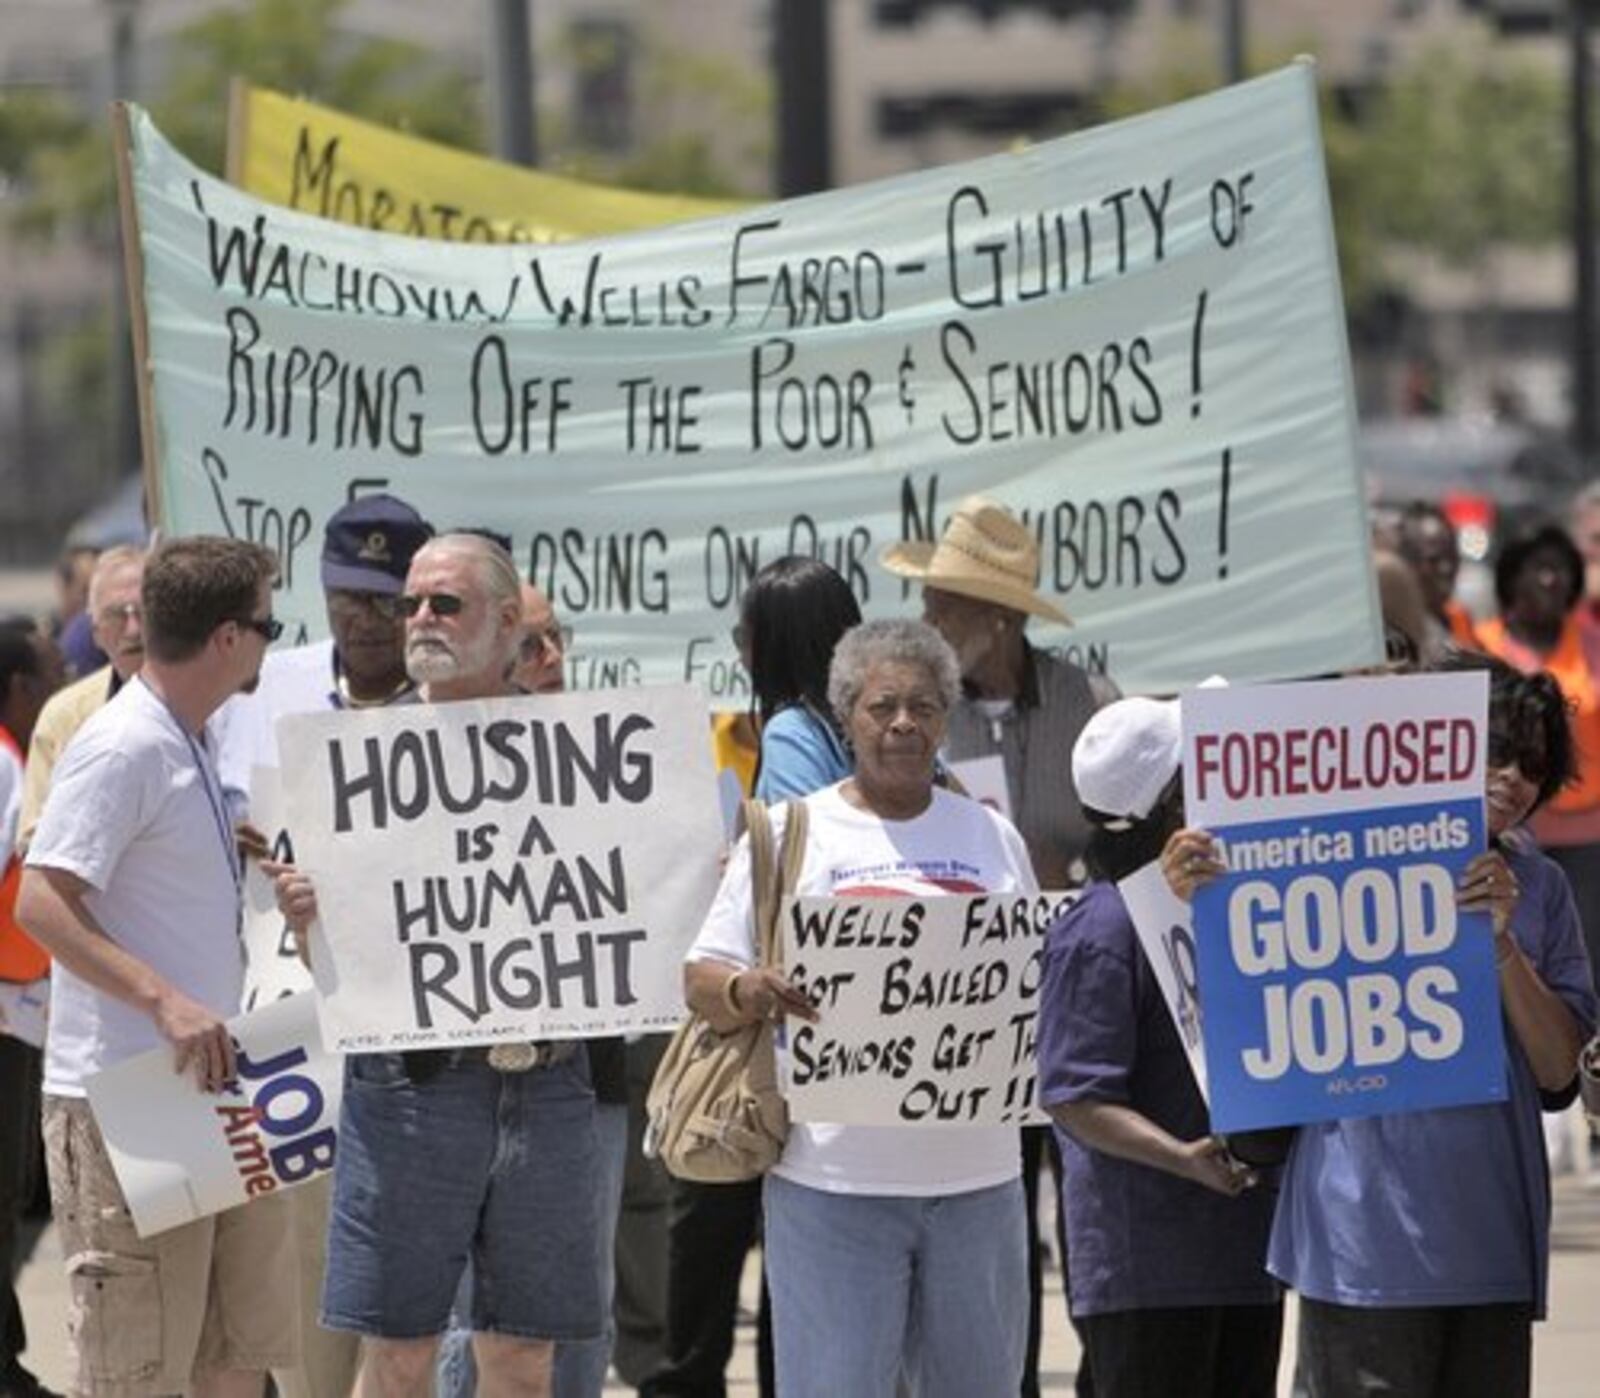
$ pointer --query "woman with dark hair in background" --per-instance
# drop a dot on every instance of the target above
(1538, 580)
(792, 617)
(793, 614)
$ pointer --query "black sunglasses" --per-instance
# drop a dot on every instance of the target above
(269, 628)
(439, 603)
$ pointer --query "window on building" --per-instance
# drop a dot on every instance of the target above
(603, 80)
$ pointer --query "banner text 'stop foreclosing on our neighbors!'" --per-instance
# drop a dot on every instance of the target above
(1133, 336)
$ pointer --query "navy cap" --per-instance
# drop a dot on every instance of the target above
(369, 544)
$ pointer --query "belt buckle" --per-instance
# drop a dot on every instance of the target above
(517, 1057)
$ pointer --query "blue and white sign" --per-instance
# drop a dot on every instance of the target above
(1339, 976)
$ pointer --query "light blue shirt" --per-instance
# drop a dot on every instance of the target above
(799, 754)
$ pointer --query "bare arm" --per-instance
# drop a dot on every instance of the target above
(1547, 1030)
(50, 905)
(728, 998)
(1118, 1130)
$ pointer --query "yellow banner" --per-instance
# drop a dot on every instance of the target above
(321, 161)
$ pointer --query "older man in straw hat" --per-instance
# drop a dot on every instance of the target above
(979, 587)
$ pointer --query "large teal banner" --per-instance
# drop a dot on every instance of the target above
(1135, 336)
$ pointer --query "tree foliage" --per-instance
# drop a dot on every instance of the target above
(1459, 149)
(59, 160)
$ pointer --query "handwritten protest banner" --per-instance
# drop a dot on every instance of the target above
(504, 869)
(927, 1008)
(182, 1154)
(326, 162)
(1165, 927)
(1133, 336)
(272, 965)
(1339, 977)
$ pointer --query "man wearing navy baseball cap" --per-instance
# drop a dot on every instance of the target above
(366, 552)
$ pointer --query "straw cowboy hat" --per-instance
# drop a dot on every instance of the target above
(986, 553)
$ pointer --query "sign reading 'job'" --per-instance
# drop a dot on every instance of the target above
(506, 868)
(1339, 974)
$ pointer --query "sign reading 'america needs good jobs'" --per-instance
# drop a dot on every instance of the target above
(1339, 976)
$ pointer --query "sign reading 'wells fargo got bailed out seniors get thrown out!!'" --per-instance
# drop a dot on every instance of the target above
(926, 1005)
(506, 868)
(1134, 336)
(1338, 975)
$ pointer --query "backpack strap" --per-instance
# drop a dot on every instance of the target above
(770, 880)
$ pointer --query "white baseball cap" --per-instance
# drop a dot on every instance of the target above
(1127, 754)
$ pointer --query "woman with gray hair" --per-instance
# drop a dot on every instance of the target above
(888, 1250)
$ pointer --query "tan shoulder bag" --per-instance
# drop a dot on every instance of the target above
(714, 1110)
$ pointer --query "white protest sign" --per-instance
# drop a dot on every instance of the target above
(520, 868)
(1339, 976)
(927, 1008)
(1165, 926)
(1133, 335)
(985, 781)
(182, 1154)
(272, 964)
(25, 1010)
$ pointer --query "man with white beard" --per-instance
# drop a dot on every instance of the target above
(451, 1154)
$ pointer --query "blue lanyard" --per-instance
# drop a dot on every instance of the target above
(213, 793)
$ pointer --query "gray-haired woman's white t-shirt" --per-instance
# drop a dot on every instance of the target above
(956, 846)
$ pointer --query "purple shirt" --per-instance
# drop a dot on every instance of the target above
(1447, 1207)
(1137, 1237)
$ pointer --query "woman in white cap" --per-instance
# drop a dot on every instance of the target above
(1167, 1231)
(1026, 706)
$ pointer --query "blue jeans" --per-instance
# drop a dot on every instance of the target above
(464, 1164)
(867, 1287)
(580, 1368)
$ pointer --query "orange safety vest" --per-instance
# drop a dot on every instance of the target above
(1569, 662)
(21, 958)
(1459, 620)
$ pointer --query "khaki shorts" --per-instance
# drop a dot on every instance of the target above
(146, 1314)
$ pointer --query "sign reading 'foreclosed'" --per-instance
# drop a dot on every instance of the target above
(1340, 978)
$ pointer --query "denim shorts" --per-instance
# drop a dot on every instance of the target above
(465, 1163)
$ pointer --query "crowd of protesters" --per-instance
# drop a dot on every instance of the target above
(492, 1221)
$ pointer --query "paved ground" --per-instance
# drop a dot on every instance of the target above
(1567, 1348)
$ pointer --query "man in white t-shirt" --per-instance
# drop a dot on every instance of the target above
(132, 886)
(367, 547)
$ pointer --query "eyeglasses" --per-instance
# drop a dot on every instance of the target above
(120, 615)
(439, 603)
(554, 638)
(383, 604)
(1504, 752)
(267, 627)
